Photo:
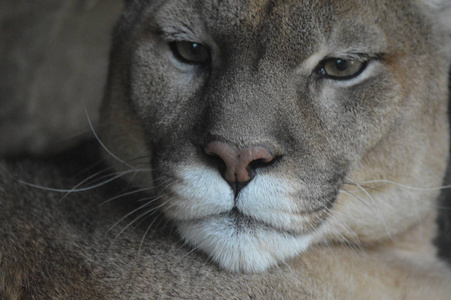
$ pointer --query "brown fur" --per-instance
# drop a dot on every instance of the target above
(58, 249)
(259, 89)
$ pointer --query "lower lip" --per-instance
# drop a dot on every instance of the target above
(244, 222)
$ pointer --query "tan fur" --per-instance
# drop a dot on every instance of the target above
(345, 213)
(59, 249)
(396, 130)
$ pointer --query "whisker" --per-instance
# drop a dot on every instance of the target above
(79, 133)
(358, 198)
(129, 184)
(137, 218)
(378, 208)
(74, 190)
(407, 186)
(207, 261)
(126, 194)
(85, 170)
(355, 244)
(129, 224)
(100, 142)
(146, 232)
(127, 215)
(91, 180)
(193, 249)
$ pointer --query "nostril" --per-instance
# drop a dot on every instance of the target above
(257, 164)
(263, 163)
(228, 156)
(218, 162)
(240, 165)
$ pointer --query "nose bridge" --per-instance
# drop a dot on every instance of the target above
(240, 107)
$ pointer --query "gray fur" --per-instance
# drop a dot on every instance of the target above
(158, 114)
(261, 89)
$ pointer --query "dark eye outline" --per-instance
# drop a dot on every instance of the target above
(321, 71)
(176, 53)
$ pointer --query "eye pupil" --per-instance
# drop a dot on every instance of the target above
(341, 64)
(190, 52)
(344, 69)
(196, 49)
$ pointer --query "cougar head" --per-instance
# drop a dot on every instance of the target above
(268, 126)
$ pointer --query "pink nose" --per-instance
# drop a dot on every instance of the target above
(237, 161)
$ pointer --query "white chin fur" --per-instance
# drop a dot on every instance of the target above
(201, 192)
(249, 249)
(272, 200)
(201, 201)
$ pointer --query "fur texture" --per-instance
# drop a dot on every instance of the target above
(345, 148)
(68, 249)
(345, 211)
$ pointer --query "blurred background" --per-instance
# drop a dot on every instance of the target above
(53, 64)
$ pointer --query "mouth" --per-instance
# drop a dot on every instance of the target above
(239, 243)
(272, 219)
(242, 222)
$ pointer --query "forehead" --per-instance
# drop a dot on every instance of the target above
(232, 15)
(300, 26)
(238, 18)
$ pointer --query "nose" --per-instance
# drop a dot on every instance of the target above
(240, 164)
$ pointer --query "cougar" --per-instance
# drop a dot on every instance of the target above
(296, 148)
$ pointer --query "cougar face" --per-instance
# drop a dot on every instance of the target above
(265, 121)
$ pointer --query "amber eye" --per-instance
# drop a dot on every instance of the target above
(337, 68)
(190, 52)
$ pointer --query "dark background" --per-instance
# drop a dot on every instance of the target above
(53, 60)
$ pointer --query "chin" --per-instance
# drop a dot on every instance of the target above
(241, 244)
